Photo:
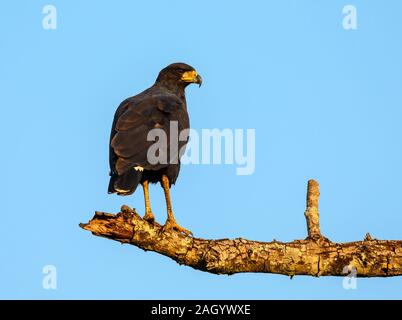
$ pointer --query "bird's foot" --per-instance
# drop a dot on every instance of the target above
(149, 216)
(172, 225)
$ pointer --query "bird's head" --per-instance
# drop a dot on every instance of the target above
(178, 74)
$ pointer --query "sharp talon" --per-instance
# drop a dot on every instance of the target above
(149, 217)
(174, 226)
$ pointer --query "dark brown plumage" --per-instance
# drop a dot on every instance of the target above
(155, 107)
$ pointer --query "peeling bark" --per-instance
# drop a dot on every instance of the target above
(314, 256)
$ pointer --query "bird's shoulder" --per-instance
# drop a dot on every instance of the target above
(151, 106)
(157, 98)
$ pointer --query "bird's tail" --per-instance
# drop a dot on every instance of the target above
(124, 184)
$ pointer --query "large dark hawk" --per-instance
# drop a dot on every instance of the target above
(162, 106)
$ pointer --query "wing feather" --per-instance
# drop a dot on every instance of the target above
(134, 120)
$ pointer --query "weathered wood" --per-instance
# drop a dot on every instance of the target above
(314, 256)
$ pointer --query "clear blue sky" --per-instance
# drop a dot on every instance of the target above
(325, 104)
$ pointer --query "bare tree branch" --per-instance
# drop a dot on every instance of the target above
(315, 256)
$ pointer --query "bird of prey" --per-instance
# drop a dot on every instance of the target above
(155, 108)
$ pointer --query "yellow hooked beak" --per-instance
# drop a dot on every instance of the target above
(192, 77)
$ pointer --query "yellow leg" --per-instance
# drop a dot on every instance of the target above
(149, 216)
(171, 221)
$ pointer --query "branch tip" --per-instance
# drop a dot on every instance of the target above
(83, 225)
(311, 213)
(313, 193)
